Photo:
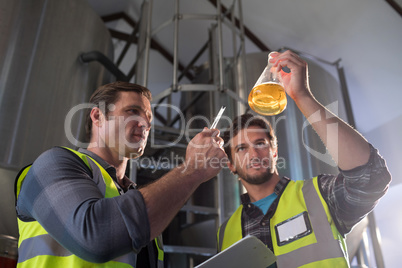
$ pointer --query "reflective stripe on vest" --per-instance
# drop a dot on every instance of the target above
(323, 247)
(159, 246)
(37, 248)
(236, 233)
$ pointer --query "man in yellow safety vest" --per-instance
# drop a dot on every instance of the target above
(303, 222)
(77, 208)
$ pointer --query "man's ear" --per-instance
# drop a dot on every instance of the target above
(276, 153)
(96, 116)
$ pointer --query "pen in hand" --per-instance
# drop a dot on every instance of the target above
(218, 117)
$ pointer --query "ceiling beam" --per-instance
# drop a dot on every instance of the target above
(247, 32)
(154, 44)
(395, 6)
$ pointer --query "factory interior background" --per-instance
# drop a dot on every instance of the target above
(354, 47)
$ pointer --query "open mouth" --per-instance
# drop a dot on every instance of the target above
(138, 137)
(257, 164)
(254, 165)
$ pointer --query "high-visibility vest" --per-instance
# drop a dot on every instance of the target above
(302, 230)
(36, 248)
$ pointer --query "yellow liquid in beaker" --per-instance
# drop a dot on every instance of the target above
(268, 99)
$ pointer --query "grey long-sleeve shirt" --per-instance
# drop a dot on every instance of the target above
(61, 193)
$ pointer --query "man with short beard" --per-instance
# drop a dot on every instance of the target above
(77, 208)
(303, 222)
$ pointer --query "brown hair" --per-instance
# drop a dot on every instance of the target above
(109, 94)
(244, 121)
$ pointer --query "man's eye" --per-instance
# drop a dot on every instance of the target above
(239, 149)
(133, 111)
(260, 145)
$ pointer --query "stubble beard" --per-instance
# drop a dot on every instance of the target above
(257, 179)
(131, 148)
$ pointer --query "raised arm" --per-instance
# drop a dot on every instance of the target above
(348, 147)
(165, 197)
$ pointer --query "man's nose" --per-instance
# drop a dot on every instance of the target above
(252, 152)
(144, 123)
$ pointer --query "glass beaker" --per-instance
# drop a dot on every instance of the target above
(268, 96)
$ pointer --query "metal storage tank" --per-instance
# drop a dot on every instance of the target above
(41, 79)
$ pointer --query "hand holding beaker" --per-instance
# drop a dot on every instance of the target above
(268, 95)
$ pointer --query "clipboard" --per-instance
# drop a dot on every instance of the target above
(247, 252)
